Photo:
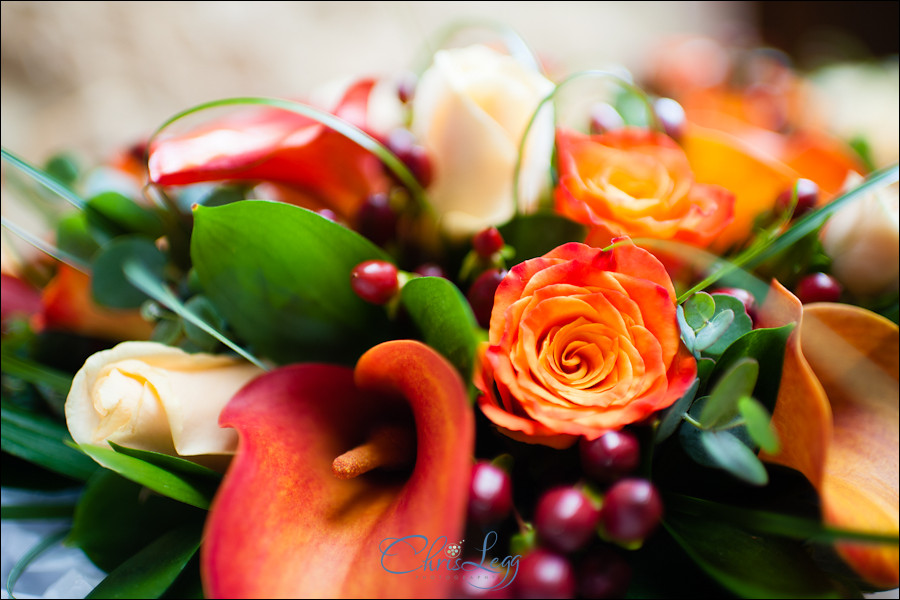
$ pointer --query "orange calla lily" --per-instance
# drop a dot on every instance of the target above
(290, 521)
(265, 144)
(837, 417)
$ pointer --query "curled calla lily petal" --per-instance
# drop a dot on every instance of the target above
(284, 525)
(261, 143)
(837, 417)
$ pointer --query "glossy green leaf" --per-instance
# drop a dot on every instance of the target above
(698, 309)
(109, 284)
(33, 372)
(738, 381)
(124, 213)
(116, 518)
(535, 235)
(73, 236)
(297, 265)
(766, 346)
(758, 422)
(42, 441)
(734, 456)
(174, 485)
(173, 464)
(444, 318)
(150, 572)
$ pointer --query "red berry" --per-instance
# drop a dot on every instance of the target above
(611, 456)
(328, 214)
(745, 297)
(374, 281)
(431, 270)
(671, 116)
(402, 144)
(631, 510)
(807, 197)
(818, 287)
(377, 220)
(481, 295)
(605, 118)
(543, 574)
(406, 87)
(565, 519)
(487, 241)
(490, 494)
(603, 574)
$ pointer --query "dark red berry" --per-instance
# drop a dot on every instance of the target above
(483, 582)
(611, 456)
(818, 287)
(603, 574)
(745, 297)
(631, 510)
(377, 220)
(431, 270)
(544, 574)
(374, 281)
(481, 295)
(565, 519)
(807, 197)
(487, 241)
(605, 118)
(406, 87)
(404, 146)
(671, 116)
(490, 494)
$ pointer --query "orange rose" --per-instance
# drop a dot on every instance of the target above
(638, 183)
(582, 341)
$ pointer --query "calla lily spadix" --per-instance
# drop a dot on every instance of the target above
(291, 521)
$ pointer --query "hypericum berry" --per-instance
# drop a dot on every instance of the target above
(603, 574)
(487, 241)
(490, 494)
(481, 295)
(565, 519)
(631, 510)
(611, 456)
(745, 297)
(671, 116)
(807, 197)
(605, 118)
(818, 287)
(406, 87)
(377, 220)
(402, 143)
(430, 270)
(544, 574)
(375, 281)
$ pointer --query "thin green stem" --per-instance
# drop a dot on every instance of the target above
(45, 247)
(43, 179)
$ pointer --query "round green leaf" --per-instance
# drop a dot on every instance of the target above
(109, 285)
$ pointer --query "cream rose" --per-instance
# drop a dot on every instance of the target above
(862, 240)
(150, 396)
(470, 110)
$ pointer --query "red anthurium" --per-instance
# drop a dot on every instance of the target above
(265, 144)
(18, 298)
(291, 521)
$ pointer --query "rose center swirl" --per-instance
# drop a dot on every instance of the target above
(581, 354)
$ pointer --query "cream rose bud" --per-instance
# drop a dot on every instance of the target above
(150, 396)
(862, 240)
(470, 110)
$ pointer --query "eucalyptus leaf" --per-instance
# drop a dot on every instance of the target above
(73, 236)
(698, 309)
(297, 265)
(203, 308)
(672, 416)
(443, 316)
(150, 572)
(687, 332)
(741, 324)
(758, 423)
(713, 331)
(109, 284)
(734, 456)
(125, 214)
(738, 381)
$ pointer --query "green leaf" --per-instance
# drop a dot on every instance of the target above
(443, 316)
(42, 441)
(150, 572)
(734, 456)
(63, 167)
(174, 485)
(698, 309)
(748, 564)
(672, 416)
(116, 518)
(766, 346)
(713, 331)
(173, 464)
(37, 511)
(280, 275)
(33, 372)
(74, 237)
(736, 382)
(687, 332)
(125, 214)
(739, 326)
(203, 308)
(29, 557)
(109, 284)
(535, 235)
(42, 178)
(758, 422)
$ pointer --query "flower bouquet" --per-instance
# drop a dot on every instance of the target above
(476, 330)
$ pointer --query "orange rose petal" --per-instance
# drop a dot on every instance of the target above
(823, 159)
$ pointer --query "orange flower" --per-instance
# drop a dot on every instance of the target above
(582, 341)
(638, 183)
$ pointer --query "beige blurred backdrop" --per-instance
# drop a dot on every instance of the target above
(93, 76)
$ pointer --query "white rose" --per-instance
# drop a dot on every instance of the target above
(470, 110)
(150, 396)
(862, 240)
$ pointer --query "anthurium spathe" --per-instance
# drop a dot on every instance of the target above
(320, 167)
(837, 417)
(290, 521)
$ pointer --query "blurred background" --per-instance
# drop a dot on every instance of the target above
(94, 76)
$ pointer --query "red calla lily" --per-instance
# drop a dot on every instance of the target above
(285, 525)
(320, 167)
(19, 299)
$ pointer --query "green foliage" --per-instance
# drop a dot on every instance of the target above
(109, 284)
